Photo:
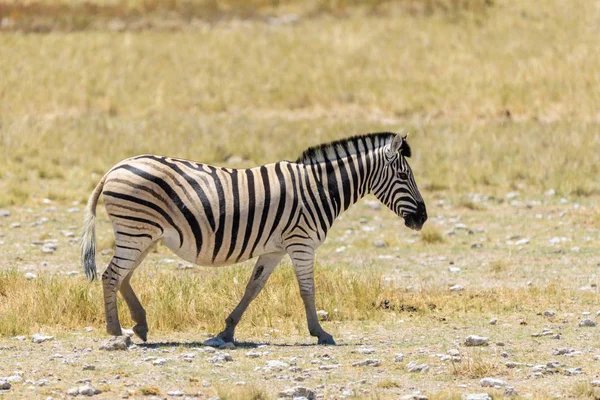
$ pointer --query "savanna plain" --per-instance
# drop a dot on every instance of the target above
(502, 105)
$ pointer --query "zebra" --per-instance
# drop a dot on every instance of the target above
(217, 216)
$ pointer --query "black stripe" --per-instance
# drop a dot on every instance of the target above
(148, 204)
(282, 197)
(235, 223)
(189, 216)
(326, 201)
(142, 220)
(355, 181)
(127, 247)
(134, 234)
(345, 180)
(317, 211)
(206, 205)
(332, 187)
(266, 207)
(250, 221)
(121, 258)
(294, 196)
(220, 233)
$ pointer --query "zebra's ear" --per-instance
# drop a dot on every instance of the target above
(398, 144)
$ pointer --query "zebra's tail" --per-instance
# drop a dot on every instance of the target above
(88, 235)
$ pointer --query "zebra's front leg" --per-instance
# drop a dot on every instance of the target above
(303, 261)
(262, 270)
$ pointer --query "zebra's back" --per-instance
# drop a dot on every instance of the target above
(206, 214)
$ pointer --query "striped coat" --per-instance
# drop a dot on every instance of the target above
(219, 216)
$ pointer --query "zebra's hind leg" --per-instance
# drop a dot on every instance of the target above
(127, 257)
(261, 273)
(303, 261)
(138, 314)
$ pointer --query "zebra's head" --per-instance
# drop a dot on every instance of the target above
(396, 187)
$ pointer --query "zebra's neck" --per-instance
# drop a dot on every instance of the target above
(342, 182)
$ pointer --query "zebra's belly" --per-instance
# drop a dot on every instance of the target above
(226, 255)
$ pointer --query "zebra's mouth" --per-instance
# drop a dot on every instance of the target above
(411, 222)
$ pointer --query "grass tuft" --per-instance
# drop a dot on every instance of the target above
(475, 367)
(149, 391)
(431, 235)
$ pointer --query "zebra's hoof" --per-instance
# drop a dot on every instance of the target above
(141, 331)
(326, 339)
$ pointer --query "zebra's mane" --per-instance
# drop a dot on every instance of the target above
(346, 147)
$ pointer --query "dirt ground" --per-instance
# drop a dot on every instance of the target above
(524, 246)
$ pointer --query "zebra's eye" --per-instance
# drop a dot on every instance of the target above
(403, 176)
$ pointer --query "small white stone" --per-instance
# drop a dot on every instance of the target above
(214, 342)
(478, 396)
(39, 338)
(493, 321)
(116, 343)
(456, 288)
(227, 346)
(595, 383)
(49, 248)
(159, 361)
(298, 392)
(454, 270)
(492, 382)
(277, 365)
(549, 313)
(399, 357)
(474, 340)
(379, 243)
(175, 393)
(323, 315)
(367, 363)
(587, 322)
(365, 350)
(414, 367)
(87, 390)
(30, 275)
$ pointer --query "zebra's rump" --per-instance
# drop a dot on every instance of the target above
(205, 214)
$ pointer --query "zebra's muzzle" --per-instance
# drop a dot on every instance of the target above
(417, 219)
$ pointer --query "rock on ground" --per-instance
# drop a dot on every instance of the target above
(399, 357)
(83, 390)
(323, 315)
(214, 342)
(414, 367)
(4, 385)
(276, 365)
(116, 343)
(414, 396)
(298, 391)
(227, 346)
(474, 340)
(39, 338)
(367, 363)
(478, 396)
(587, 322)
(492, 382)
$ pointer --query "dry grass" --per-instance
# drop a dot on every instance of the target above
(72, 105)
(183, 301)
(42, 16)
(474, 366)
(430, 234)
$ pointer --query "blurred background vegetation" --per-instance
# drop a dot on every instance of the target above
(498, 95)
